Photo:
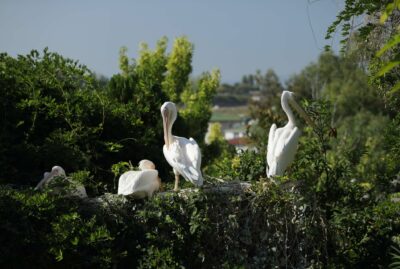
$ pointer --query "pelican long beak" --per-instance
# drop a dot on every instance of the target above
(166, 126)
(45, 178)
(302, 113)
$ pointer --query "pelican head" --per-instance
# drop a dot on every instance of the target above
(146, 164)
(169, 113)
(56, 171)
(289, 97)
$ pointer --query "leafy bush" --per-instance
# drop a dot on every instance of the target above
(55, 112)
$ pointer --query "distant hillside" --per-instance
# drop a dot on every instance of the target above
(251, 87)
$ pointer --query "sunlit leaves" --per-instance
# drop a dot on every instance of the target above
(388, 67)
(389, 45)
(390, 7)
(178, 68)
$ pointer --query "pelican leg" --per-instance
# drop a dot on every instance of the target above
(176, 188)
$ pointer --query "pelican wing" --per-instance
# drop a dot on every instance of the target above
(194, 153)
(270, 146)
(184, 155)
(127, 180)
(285, 149)
(77, 189)
(132, 182)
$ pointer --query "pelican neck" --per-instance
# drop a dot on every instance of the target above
(288, 110)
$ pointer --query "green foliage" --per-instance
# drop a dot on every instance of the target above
(198, 103)
(237, 93)
(51, 112)
(55, 112)
(336, 207)
(219, 153)
(352, 9)
(267, 109)
(244, 166)
(43, 230)
(395, 257)
(379, 36)
(268, 225)
(248, 166)
(214, 133)
(391, 44)
(179, 67)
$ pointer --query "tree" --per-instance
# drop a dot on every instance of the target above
(214, 133)
(379, 39)
(55, 112)
(266, 110)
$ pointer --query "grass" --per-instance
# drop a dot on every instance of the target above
(236, 113)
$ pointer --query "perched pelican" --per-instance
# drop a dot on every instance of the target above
(181, 153)
(146, 164)
(282, 142)
(140, 184)
(58, 171)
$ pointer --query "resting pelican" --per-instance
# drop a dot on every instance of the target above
(58, 171)
(140, 184)
(282, 142)
(181, 153)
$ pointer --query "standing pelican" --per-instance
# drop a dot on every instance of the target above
(140, 184)
(181, 153)
(282, 142)
(58, 171)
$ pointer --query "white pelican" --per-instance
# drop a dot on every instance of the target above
(282, 142)
(58, 171)
(140, 184)
(181, 153)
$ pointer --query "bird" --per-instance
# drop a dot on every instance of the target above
(182, 154)
(146, 164)
(58, 171)
(140, 184)
(282, 142)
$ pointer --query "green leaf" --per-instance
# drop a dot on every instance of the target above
(194, 227)
(390, 44)
(168, 219)
(386, 68)
(75, 241)
(395, 88)
(59, 256)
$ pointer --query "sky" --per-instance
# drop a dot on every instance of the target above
(236, 36)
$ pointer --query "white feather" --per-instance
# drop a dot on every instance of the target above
(182, 154)
(185, 157)
(284, 150)
(282, 142)
(139, 184)
(58, 171)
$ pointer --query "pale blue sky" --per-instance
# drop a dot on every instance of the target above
(238, 37)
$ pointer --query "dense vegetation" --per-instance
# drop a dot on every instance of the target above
(54, 111)
(336, 207)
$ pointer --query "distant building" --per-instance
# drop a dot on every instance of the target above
(237, 132)
(255, 96)
(233, 126)
(240, 143)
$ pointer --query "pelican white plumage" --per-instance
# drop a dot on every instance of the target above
(181, 153)
(58, 171)
(282, 142)
(140, 184)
